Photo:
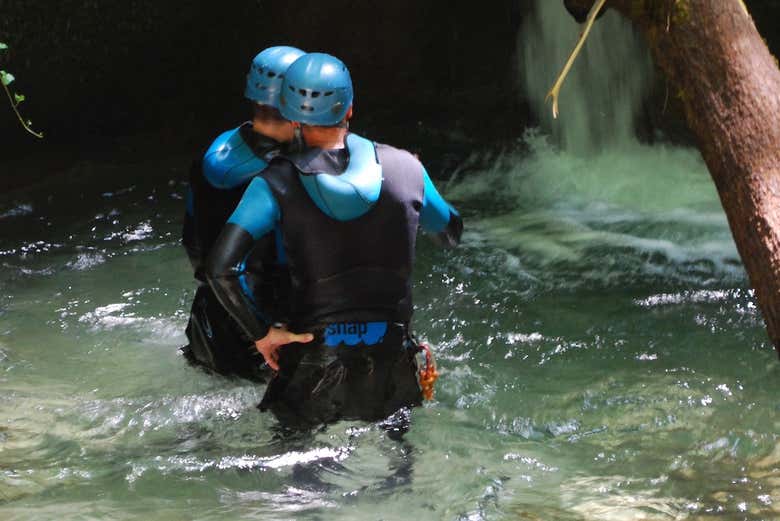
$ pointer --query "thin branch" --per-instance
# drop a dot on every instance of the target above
(556, 88)
(27, 127)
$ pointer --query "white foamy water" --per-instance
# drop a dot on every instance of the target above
(626, 215)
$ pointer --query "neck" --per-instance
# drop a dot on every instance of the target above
(327, 138)
(281, 132)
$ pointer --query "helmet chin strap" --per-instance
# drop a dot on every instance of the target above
(298, 143)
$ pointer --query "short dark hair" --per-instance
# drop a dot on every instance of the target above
(266, 113)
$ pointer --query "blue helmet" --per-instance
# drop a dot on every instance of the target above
(264, 79)
(317, 90)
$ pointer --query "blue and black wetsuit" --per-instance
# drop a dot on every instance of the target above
(349, 221)
(217, 183)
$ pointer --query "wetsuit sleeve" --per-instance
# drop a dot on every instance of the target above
(254, 218)
(189, 233)
(439, 217)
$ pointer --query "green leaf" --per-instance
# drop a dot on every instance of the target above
(3, 46)
(18, 98)
(6, 77)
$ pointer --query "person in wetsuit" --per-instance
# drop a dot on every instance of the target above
(349, 211)
(217, 182)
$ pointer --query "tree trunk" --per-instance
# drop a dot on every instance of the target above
(729, 85)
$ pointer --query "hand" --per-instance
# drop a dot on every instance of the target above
(269, 345)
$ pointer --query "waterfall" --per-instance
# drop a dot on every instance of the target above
(603, 92)
(582, 193)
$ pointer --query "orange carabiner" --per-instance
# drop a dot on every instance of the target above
(428, 374)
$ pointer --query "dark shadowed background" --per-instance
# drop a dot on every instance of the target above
(117, 79)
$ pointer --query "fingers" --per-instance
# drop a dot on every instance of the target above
(302, 338)
(277, 337)
(273, 364)
(269, 352)
(271, 358)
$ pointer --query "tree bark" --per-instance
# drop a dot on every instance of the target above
(729, 84)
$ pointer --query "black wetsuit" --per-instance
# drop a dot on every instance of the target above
(217, 183)
(349, 220)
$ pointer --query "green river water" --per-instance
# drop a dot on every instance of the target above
(601, 357)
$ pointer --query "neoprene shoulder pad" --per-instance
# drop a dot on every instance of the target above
(350, 194)
(230, 161)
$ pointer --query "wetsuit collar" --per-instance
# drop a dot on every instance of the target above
(260, 144)
(320, 161)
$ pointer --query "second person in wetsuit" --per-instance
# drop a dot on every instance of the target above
(349, 210)
(217, 182)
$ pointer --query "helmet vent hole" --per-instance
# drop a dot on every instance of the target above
(271, 74)
(329, 93)
(292, 88)
(315, 94)
(307, 108)
(302, 92)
